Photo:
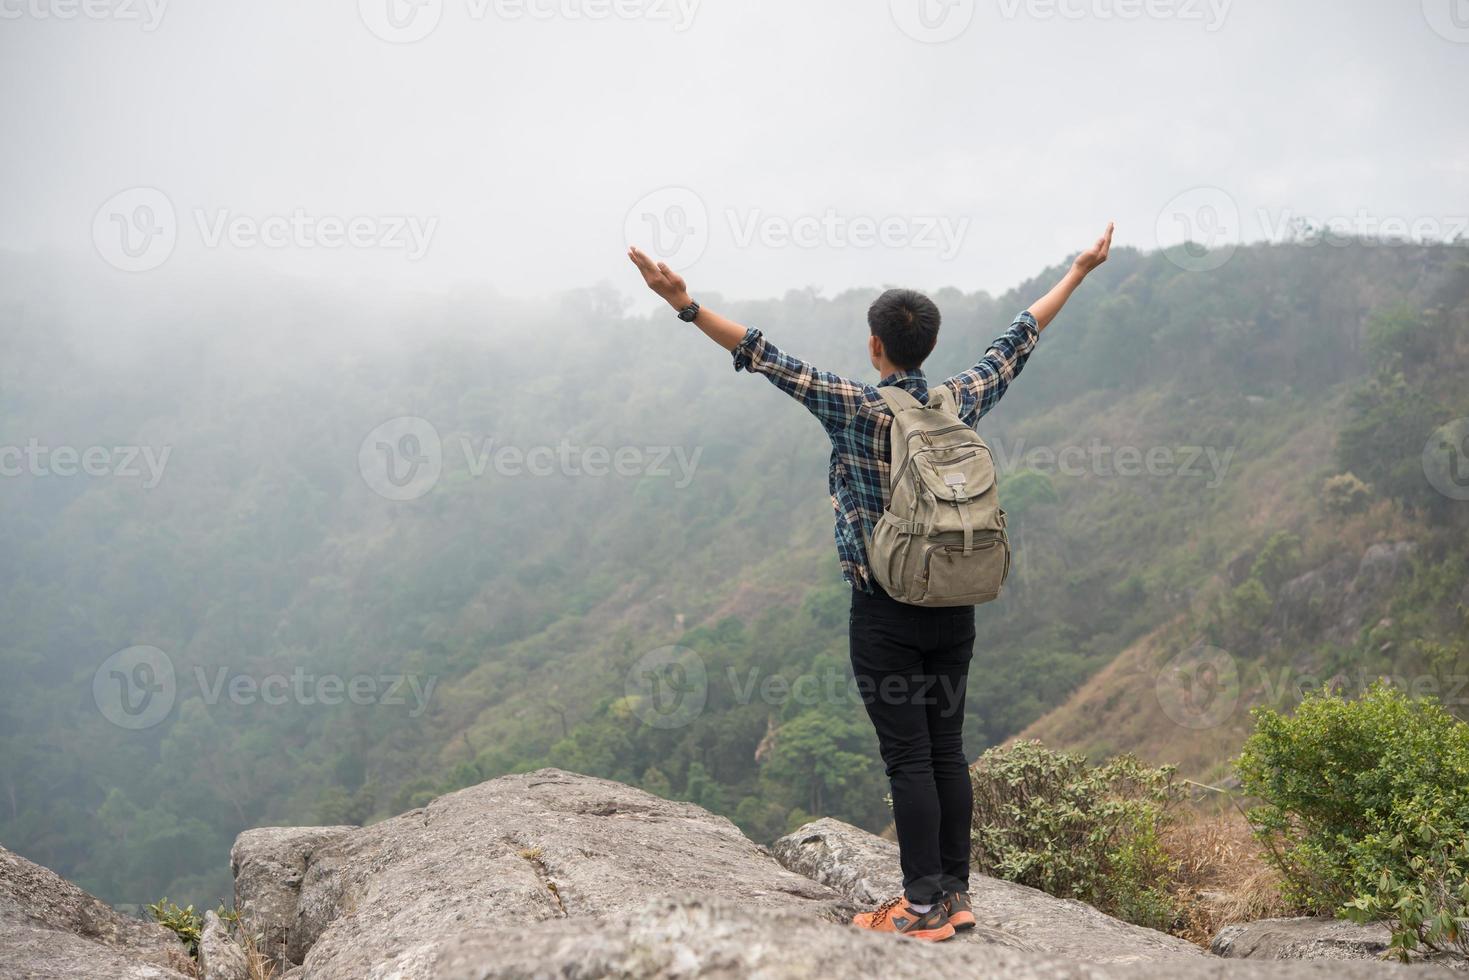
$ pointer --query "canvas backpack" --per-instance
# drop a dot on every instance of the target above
(941, 539)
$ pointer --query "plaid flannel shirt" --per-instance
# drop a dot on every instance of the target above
(857, 420)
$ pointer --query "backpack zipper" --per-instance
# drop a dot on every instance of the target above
(894, 480)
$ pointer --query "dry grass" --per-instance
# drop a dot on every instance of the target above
(258, 966)
(1221, 877)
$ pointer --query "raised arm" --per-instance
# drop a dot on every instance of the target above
(831, 398)
(981, 387)
(670, 285)
(1045, 309)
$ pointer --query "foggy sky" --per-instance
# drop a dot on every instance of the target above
(512, 143)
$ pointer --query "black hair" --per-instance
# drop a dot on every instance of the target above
(907, 323)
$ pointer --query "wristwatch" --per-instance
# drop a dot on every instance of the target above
(689, 313)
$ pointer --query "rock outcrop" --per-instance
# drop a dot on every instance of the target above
(546, 846)
(864, 868)
(268, 865)
(553, 874)
(550, 874)
(1302, 939)
(1332, 599)
(220, 957)
(708, 937)
(50, 928)
(1308, 939)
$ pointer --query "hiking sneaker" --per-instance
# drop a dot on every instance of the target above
(894, 915)
(956, 905)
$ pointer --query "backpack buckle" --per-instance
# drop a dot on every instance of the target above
(955, 482)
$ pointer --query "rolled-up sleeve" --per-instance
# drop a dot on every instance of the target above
(981, 387)
(744, 352)
(831, 398)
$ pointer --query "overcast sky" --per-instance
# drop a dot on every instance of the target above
(761, 145)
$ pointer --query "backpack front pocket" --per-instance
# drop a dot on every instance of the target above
(953, 577)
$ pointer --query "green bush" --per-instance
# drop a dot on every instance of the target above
(1345, 494)
(1051, 821)
(1429, 909)
(1365, 810)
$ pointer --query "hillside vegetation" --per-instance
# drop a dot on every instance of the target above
(1212, 420)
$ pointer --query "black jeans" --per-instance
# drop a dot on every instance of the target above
(912, 664)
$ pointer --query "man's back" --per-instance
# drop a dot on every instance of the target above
(858, 422)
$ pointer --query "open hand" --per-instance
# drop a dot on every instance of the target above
(1096, 255)
(661, 279)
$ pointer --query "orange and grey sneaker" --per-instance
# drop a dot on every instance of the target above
(956, 904)
(894, 915)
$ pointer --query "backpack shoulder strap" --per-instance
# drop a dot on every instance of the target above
(938, 397)
(898, 399)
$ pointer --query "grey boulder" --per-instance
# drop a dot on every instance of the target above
(864, 868)
(543, 846)
(50, 928)
(268, 864)
(550, 874)
(220, 957)
(1308, 939)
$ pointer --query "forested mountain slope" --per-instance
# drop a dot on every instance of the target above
(511, 615)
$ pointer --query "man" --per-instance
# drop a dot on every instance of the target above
(911, 663)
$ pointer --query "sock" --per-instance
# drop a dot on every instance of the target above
(920, 909)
